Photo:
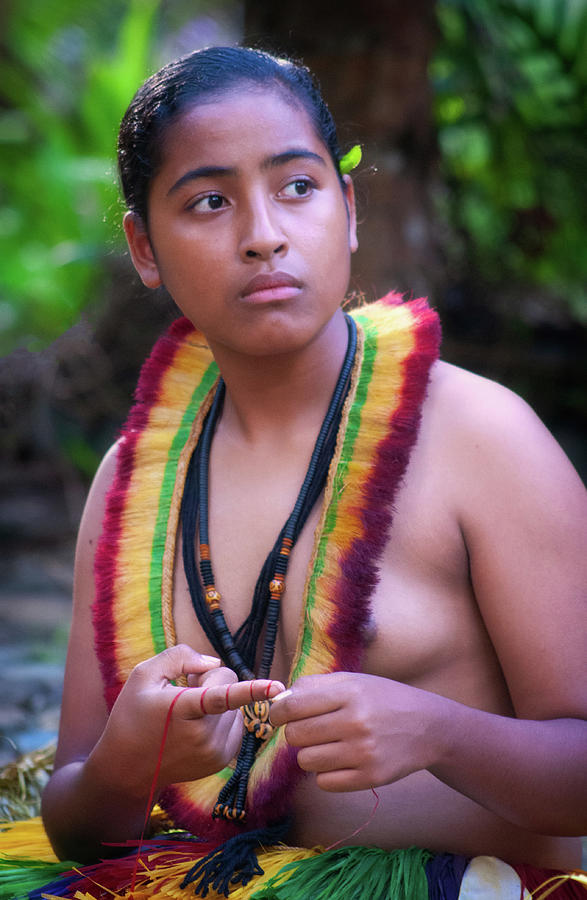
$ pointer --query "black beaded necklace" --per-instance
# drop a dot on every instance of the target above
(239, 651)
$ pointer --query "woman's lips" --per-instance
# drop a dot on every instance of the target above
(267, 288)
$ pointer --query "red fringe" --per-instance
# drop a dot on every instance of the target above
(359, 567)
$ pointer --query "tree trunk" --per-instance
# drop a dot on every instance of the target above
(371, 61)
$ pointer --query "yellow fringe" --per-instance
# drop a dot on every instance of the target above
(25, 840)
(28, 839)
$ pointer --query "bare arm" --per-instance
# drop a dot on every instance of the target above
(105, 763)
(522, 512)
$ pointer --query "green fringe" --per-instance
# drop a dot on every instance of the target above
(352, 873)
(20, 876)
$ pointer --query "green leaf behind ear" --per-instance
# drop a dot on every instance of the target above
(350, 160)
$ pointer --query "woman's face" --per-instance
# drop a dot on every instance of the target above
(249, 228)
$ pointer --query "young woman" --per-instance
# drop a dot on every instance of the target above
(307, 498)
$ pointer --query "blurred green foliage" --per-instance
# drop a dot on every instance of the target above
(510, 84)
(67, 73)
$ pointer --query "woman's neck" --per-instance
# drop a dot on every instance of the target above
(270, 398)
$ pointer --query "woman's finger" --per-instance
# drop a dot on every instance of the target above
(316, 730)
(325, 758)
(342, 780)
(215, 699)
(173, 662)
(313, 699)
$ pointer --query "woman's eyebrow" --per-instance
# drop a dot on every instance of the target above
(280, 159)
(201, 172)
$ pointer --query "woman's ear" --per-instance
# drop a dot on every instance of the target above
(141, 250)
(349, 196)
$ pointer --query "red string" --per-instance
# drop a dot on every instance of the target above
(360, 828)
(201, 700)
(154, 785)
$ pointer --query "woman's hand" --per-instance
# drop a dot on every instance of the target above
(358, 731)
(205, 729)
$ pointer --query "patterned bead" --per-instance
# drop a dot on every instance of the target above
(213, 598)
(277, 585)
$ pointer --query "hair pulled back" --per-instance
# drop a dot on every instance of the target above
(194, 78)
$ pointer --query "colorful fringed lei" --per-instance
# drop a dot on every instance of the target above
(288, 873)
(133, 615)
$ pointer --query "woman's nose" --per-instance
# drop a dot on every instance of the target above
(262, 236)
(263, 251)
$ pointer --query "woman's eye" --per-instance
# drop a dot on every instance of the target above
(301, 187)
(209, 203)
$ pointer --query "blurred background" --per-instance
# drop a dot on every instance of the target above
(472, 191)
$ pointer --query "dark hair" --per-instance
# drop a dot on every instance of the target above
(196, 77)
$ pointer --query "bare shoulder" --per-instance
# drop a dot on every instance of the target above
(475, 402)
(522, 510)
(494, 429)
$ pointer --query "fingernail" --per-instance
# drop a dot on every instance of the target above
(209, 659)
(282, 696)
